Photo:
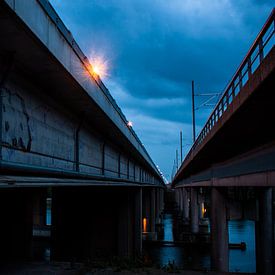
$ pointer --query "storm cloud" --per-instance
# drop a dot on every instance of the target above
(155, 48)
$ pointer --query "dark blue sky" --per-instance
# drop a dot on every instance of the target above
(155, 48)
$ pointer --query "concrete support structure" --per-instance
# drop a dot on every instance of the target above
(125, 238)
(138, 222)
(194, 211)
(39, 207)
(16, 211)
(153, 211)
(273, 214)
(219, 232)
(264, 233)
(95, 222)
(158, 211)
(185, 204)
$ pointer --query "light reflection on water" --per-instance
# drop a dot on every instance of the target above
(199, 257)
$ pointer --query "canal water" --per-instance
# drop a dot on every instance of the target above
(198, 258)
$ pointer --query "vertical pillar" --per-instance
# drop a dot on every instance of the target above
(185, 204)
(125, 223)
(264, 233)
(273, 214)
(157, 205)
(180, 200)
(39, 207)
(85, 222)
(16, 211)
(219, 232)
(153, 210)
(194, 211)
(138, 222)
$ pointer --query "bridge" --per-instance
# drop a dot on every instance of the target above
(64, 141)
(230, 169)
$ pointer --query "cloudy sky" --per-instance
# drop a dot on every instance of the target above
(155, 48)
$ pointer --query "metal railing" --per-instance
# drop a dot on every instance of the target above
(258, 51)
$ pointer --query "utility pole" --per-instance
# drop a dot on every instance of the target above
(180, 147)
(193, 112)
(177, 160)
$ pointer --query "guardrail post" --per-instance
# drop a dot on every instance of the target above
(249, 69)
(261, 50)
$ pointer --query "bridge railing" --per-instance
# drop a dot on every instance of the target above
(260, 48)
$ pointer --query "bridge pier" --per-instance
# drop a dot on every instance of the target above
(138, 222)
(95, 222)
(219, 232)
(194, 211)
(264, 233)
(16, 211)
(185, 204)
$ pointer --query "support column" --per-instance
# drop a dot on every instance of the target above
(194, 211)
(85, 222)
(153, 210)
(138, 222)
(264, 233)
(185, 202)
(16, 211)
(157, 207)
(219, 232)
(161, 200)
(125, 225)
(180, 200)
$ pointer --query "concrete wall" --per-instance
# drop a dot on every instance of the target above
(39, 132)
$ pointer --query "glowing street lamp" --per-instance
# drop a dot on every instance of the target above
(99, 66)
(130, 124)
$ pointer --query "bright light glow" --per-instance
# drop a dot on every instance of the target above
(203, 209)
(130, 124)
(144, 225)
(99, 66)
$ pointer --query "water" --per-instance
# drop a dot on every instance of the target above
(242, 231)
(199, 257)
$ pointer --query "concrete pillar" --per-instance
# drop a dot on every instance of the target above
(157, 206)
(125, 225)
(39, 207)
(185, 204)
(180, 200)
(194, 211)
(85, 222)
(264, 233)
(273, 214)
(161, 200)
(16, 212)
(153, 210)
(219, 232)
(138, 222)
